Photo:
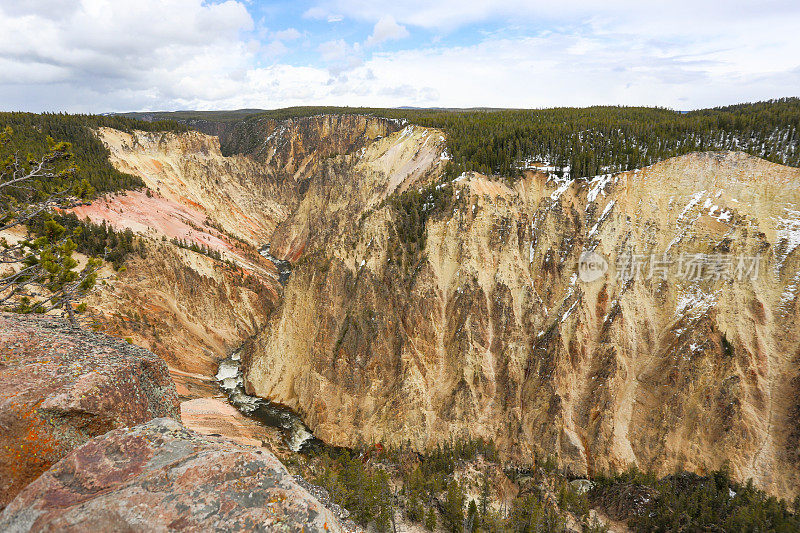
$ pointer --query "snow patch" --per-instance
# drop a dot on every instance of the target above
(788, 229)
(600, 183)
(561, 190)
(790, 291)
(407, 131)
(694, 304)
(724, 216)
(569, 311)
(693, 202)
(603, 216)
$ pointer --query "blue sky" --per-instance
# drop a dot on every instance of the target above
(122, 55)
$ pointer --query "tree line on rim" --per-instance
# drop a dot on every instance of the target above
(580, 142)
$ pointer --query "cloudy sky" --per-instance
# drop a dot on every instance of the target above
(124, 55)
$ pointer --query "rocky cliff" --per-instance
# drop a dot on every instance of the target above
(465, 312)
(236, 193)
(490, 331)
(59, 387)
(70, 459)
(196, 309)
(188, 307)
(292, 143)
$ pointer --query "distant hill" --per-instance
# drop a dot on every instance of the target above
(214, 116)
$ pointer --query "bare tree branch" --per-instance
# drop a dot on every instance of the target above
(46, 279)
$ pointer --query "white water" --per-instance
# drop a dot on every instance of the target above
(230, 380)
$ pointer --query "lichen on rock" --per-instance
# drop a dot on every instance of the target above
(161, 476)
(60, 386)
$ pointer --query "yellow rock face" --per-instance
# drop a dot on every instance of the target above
(490, 330)
(189, 308)
(495, 335)
(188, 169)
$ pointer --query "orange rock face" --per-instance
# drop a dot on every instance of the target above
(160, 476)
(60, 387)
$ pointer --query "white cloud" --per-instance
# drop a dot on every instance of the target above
(122, 46)
(386, 29)
(104, 55)
(321, 13)
(275, 49)
(671, 17)
(315, 13)
(340, 55)
(289, 34)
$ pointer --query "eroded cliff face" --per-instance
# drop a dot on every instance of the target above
(342, 191)
(249, 195)
(489, 330)
(189, 308)
(493, 333)
(292, 144)
(188, 168)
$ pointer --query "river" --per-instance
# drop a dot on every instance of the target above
(296, 434)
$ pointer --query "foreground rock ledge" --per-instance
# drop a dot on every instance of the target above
(161, 476)
(60, 386)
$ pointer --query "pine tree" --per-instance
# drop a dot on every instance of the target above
(43, 275)
(430, 521)
(473, 520)
(484, 498)
(453, 515)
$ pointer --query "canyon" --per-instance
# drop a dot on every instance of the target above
(475, 321)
